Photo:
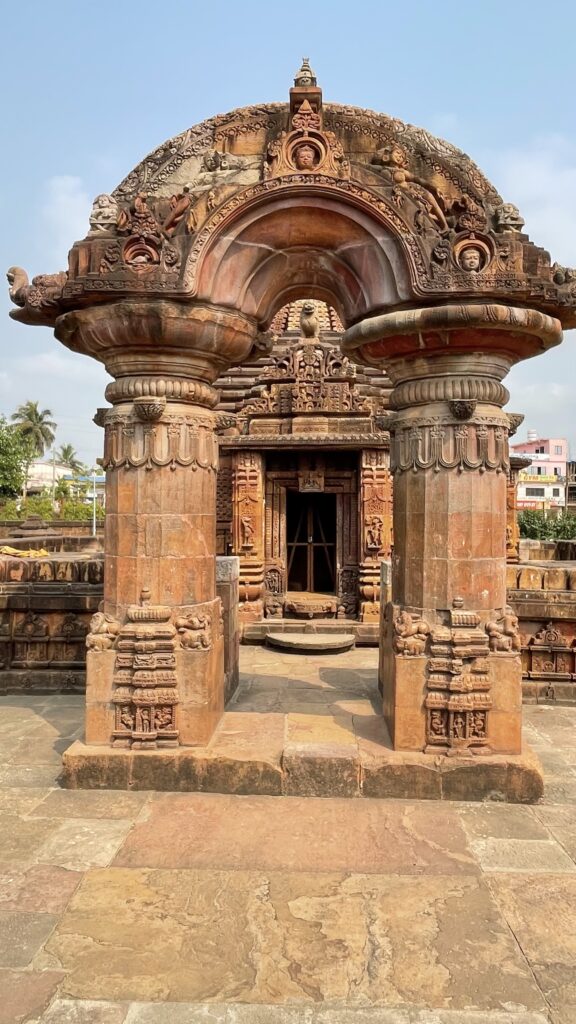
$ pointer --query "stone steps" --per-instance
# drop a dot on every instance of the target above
(311, 642)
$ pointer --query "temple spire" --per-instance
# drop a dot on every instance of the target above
(305, 76)
(305, 88)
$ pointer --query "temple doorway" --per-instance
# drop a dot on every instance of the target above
(311, 542)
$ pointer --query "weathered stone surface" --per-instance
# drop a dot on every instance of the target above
(84, 1011)
(80, 844)
(25, 994)
(296, 833)
(41, 885)
(320, 769)
(22, 934)
(271, 939)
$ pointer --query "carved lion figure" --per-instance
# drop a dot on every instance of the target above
(309, 323)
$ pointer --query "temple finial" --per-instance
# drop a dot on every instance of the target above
(305, 76)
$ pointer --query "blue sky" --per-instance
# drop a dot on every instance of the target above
(91, 88)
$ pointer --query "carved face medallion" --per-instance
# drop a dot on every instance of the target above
(305, 157)
(471, 259)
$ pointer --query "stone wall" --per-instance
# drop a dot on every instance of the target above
(45, 609)
(543, 595)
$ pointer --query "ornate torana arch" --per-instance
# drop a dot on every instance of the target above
(179, 276)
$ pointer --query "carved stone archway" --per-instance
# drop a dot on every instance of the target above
(179, 277)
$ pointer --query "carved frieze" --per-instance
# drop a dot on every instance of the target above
(175, 441)
(458, 697)
(145, 695)
(471, 446)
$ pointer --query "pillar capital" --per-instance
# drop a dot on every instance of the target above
(159, 339)
(488, 338)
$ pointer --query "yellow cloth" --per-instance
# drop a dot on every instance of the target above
(5, 549)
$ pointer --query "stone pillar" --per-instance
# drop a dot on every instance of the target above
(155, 668)
(248, 531)
(450, 661)
(227, 572)
(376, 527)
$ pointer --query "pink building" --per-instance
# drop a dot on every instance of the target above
(542, 485)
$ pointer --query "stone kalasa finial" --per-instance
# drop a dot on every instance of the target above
(305, 76)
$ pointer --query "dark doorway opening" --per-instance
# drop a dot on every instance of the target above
(311, 542)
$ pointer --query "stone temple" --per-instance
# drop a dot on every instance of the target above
(324, 302)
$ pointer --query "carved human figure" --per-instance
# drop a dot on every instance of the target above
(179, 204)
(478, 724)
(104, 214)
(458, 725)
(374, 533)
(194, 631)
(471, 259)
(509, 219)
(247, 531)
(145, 716)
(306, 157)
(395, 158)
(437, 723)
(127, 718)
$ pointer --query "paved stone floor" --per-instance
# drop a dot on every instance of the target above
(144, 908)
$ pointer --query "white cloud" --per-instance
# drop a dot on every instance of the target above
(65, 211)
(59, 365)
(541, 180)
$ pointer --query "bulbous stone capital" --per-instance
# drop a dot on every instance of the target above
(422, 342)
(143, 337)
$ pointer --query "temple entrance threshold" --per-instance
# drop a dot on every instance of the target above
(303, 726)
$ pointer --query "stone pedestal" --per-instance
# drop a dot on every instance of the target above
(450, 663)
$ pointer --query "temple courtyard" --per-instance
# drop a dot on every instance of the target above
(125, 907)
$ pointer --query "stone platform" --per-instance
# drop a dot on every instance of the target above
(305, 727)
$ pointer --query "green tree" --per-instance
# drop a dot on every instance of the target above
(67, 456)
(15, 455)
(36, 425)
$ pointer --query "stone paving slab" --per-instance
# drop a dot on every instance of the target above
(290, 938)
(68, 1011)
(298, 834)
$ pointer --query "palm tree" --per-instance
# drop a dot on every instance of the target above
(35, 424)
(67, 456)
